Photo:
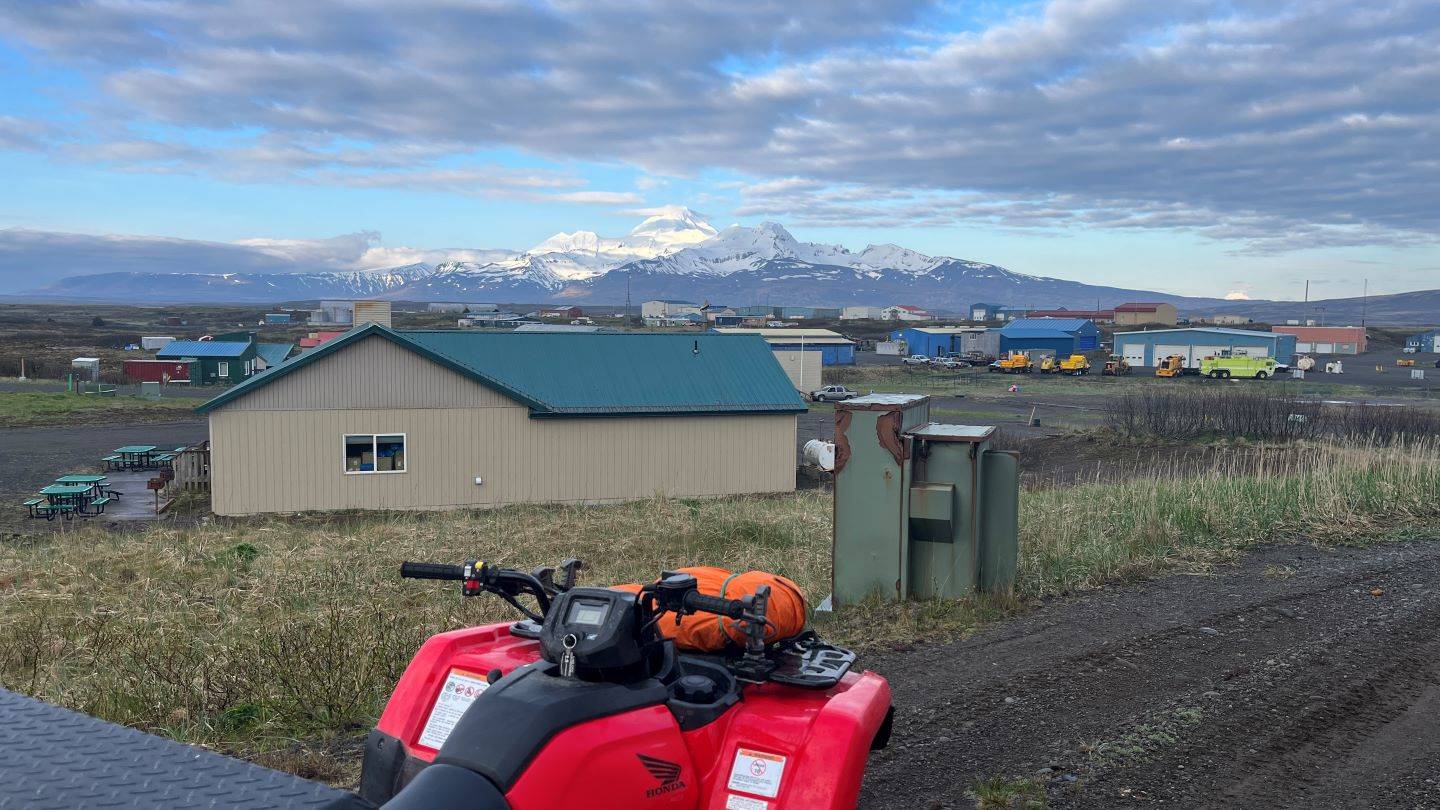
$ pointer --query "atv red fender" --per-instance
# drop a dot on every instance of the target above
(779, 746)
(475, 651)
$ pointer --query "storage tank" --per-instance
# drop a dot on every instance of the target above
(821, 454)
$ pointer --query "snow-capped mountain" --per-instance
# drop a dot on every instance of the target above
(674, 253)
(581, 255)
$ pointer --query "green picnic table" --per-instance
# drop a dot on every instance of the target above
(64, 497)
(135, 455)
(58, 492)
(95, 481)
(80, 479)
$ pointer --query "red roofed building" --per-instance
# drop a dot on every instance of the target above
(1325, 339)
(316, 338)
(1143, 313)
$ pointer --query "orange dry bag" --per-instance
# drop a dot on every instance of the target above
(705, 632)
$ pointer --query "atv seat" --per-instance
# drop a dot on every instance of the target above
(442, 785)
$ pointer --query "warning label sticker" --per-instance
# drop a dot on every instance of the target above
(459, 691)
(757, 772)
(733, 802)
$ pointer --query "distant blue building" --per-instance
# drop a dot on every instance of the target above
(1425, 341)
(941, 341)
(756, 312)
(985, 312)
(1060, 336)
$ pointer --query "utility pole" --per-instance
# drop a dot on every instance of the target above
(1364, 302)
(1305, 312)
(628, 321)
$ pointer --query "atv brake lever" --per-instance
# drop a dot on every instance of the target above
(570, 569)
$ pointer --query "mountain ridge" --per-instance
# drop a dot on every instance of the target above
(673, 253)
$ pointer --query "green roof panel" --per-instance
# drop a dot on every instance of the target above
(577, 374)
(624, 373)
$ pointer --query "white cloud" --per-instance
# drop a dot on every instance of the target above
(1271, 125)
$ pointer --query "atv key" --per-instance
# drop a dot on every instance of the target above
(567, 658)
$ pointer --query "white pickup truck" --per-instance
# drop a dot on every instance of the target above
(833, 393)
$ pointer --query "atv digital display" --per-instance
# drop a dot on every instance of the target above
(587, 613)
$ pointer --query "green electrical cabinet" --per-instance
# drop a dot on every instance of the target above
(922, 510)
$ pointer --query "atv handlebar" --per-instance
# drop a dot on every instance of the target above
(424, 570)
(478, 578)
(697, 602)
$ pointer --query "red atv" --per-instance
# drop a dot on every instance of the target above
(586, 704)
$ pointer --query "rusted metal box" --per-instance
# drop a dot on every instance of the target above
(922, 509)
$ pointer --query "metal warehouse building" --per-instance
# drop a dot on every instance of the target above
(1425, 341)
(380, 419)
(1061, 336)
(835, 349)
(940, 341)
(1326, 339)
(1149, 347)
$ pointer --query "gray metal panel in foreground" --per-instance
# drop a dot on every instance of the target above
(56, 759)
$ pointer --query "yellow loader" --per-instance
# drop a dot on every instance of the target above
(1173, 366)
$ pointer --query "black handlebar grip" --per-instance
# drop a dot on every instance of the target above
(734, 608)
(424, 570)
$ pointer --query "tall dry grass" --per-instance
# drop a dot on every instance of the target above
(1332, 493)
(291, 627)
(1262, 414)
(252, 633)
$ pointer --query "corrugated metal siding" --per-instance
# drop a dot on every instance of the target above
(373, 373)
(286, 461)
(203, 348)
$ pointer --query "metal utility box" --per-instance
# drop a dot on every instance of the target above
(922, 510)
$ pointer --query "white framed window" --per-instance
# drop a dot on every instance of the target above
(367, 453)
(222, 368)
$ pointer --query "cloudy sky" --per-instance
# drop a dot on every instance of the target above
(1191, 146)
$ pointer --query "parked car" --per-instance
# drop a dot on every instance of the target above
(953, 362)
(917, 360)
(833, 393)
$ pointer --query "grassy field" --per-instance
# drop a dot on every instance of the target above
(976, 382)
(29, 408)
(253, 634)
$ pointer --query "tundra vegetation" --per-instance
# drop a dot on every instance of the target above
(254, 634)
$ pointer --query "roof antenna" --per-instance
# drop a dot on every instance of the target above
(696, 350)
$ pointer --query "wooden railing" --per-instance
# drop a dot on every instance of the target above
(192, 468)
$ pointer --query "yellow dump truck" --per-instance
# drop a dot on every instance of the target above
(1015, 363)
(1075, 365)
(1047, 364)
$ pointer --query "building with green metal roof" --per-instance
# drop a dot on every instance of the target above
(385, 419)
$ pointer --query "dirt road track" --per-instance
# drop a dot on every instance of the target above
(1283, 682)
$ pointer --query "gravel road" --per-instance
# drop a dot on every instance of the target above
(1299, 678)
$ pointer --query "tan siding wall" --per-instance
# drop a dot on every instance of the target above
(373, 373)
(290, 461)
(803, 368)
